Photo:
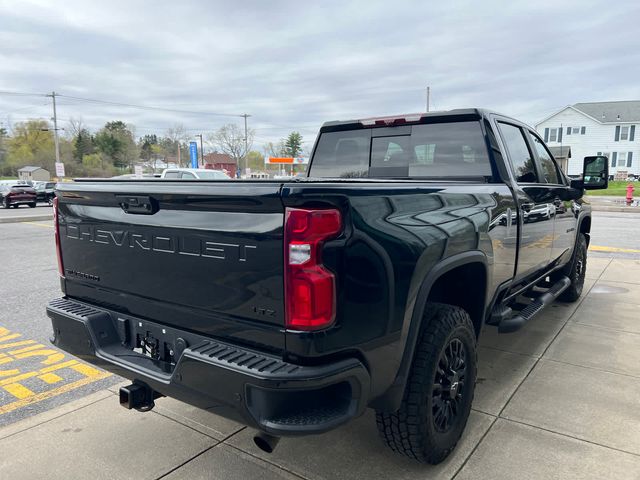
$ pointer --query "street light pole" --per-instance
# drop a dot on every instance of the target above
(246, 140)
(201, 150)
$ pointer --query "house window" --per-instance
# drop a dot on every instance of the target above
(624, 133)
(622, 159)
(575, 130)
(553, 135)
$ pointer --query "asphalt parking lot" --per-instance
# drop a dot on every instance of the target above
(558, 399)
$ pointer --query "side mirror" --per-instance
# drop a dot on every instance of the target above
(595, 173)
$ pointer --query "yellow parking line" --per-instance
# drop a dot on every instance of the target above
(27, 349)
(50, 378)
(37, 224)
(9, 407)
(598, 248)
(9, 337)
(18, 391)
(17, 344)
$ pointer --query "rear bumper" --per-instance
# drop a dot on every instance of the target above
(257, 389)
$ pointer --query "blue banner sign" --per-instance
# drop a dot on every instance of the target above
(193, 153)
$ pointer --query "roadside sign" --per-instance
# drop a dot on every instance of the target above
(59, 169)
(193, 153)
(138, 170)
(286, 160)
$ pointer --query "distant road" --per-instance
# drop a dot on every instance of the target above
(24, 211)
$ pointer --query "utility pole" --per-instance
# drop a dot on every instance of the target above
(201, 150)
(246, 139)
(428, 97)
(55, 127)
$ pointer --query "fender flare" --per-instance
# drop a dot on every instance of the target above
(411, 328)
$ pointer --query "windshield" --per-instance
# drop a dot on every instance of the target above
(212, 175)
(453, 149)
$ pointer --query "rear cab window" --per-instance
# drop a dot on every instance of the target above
(434, 150)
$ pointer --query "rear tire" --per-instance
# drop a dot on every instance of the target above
(32, 205)
(6, 203)
(439, 391)
(576, 270)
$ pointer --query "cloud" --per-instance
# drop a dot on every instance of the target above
(292, 65)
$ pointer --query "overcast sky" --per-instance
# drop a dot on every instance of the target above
(292, 65)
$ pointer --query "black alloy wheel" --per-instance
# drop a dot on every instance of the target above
(449, 385)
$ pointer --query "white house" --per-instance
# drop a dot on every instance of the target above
(598, 128)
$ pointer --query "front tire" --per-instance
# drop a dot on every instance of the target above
(576, 271)
(439, 390)
(32, 205)
(6, 204)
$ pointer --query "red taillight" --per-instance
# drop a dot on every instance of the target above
(310, 288)
(57, 236)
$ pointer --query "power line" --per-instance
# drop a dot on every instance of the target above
(121, 104)
(147, 107)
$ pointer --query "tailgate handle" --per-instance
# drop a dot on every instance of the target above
(138, 204)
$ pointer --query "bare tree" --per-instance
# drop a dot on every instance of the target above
(230, 139)
(178, 136)
(76, 125)
(274, 149)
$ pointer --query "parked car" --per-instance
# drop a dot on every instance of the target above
(293, 306)
(16, 194)
(45, 191)
(194, 174)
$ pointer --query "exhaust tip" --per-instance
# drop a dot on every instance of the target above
(265, 442)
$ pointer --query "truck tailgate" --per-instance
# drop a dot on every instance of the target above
(206, 257)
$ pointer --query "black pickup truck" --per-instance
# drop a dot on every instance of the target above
(293, 306)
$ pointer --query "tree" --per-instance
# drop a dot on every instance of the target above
(255, 160)
(82, 145)
(274, 149)
(75, 126)
(31, 144)
(146, 143)
(175, 144)
(115, 141)
(230, 139)
(293, 145)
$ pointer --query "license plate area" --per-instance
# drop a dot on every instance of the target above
(160, 344)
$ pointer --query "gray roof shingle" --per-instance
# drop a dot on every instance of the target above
(605, 112)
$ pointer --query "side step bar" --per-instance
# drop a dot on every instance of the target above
(515, 322)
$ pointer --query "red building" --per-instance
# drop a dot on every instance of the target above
(221, 161)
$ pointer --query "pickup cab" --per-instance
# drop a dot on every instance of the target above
(293, 306)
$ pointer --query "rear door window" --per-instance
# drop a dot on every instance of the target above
(172, 175)
(549, 169)
(522, 163)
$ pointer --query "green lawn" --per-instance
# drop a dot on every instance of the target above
(617, 188)
(8, 178)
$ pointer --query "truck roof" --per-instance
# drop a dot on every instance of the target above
(411, 118)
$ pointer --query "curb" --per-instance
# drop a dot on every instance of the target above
(595, 208)
(32, 218)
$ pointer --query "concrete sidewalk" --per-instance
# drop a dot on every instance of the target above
(558, 399)
(604, 203)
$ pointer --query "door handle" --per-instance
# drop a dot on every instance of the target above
(137, 204)
(526, 207)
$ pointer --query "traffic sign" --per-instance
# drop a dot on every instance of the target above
(59, 169)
